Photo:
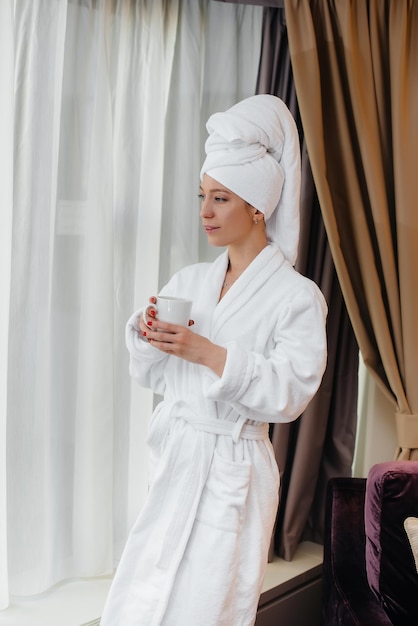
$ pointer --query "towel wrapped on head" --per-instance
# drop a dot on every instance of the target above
(253, 150)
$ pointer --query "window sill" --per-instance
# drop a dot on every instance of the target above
(79, 603)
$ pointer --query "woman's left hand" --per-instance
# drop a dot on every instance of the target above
(186, 344)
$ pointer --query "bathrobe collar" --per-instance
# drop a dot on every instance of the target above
(244, 288)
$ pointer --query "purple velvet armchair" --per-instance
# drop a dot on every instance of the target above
(369, 572)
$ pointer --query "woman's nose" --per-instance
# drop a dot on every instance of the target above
(206, 209)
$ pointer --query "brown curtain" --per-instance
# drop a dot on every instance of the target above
(320, 444)
(355, 67)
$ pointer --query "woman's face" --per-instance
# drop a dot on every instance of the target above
(226, 218)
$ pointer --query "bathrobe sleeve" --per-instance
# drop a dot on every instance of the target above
(277, 385)
(146, 364)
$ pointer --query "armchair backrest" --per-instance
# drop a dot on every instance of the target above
(391, 497)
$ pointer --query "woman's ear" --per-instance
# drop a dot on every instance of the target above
(258, 216)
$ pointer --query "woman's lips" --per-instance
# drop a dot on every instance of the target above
(210, 229)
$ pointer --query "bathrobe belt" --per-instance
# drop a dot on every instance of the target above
(193, 478)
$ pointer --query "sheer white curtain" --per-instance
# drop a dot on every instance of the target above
(109, 100)
(6, 207)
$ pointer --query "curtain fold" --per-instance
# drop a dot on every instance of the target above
(6, 218)
(320, 445)
(263, 3)
(354, 68)
(102, 111)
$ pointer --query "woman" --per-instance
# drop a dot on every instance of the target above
(256, 354)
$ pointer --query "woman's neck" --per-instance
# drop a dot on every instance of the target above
(240, 259)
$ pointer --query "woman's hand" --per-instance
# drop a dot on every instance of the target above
(149, 315)
(183, 343)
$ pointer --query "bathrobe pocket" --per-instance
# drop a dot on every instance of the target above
(224, 495)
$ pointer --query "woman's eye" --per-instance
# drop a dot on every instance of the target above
(219, 199)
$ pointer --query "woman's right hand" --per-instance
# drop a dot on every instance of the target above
(149, 315)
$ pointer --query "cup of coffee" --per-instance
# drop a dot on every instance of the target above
(171, 309)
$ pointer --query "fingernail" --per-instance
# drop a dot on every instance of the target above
(149, 323)
(144, 334)
(152, 312)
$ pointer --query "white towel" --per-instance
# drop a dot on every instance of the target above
(253, 150)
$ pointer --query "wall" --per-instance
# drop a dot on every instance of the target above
(376, 431)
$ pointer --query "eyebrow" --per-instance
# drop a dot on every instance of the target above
(215, 190)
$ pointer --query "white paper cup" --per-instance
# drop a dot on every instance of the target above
(171, 309)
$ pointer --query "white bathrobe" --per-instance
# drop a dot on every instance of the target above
(198, 551)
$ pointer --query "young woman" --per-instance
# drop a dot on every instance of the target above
(255, 353)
